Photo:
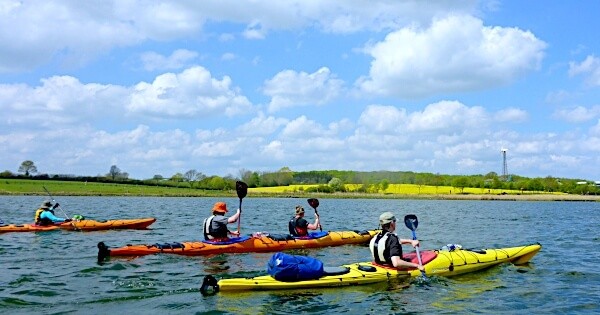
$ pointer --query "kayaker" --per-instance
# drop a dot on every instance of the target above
(45, 214)
(298, 225)
(215, 226)
(386, 247)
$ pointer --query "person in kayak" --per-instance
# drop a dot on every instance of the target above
(215, 226)
(298, 225)
(386, 247)
(45, 214)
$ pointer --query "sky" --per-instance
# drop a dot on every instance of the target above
(225, 86)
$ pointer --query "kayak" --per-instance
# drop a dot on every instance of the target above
(437, 263)
(81, 225)
(260, 242)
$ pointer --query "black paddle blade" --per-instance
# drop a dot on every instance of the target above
(241, 188)
(103, 253)
(313, 202)
(411, 221)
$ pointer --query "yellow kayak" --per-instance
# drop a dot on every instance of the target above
(437, 262)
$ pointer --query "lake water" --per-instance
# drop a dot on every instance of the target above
(56, 272)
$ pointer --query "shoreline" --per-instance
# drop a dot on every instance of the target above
(505, 197)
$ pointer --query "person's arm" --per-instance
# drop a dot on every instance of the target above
(399, 263)
(49, 215)
(414, 243)
(234, 218)
(315, 225)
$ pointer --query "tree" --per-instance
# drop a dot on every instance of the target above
(336, 184)
(114, 172)
(157, 178)
(28, 168)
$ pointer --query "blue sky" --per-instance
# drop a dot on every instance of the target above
(161, 87)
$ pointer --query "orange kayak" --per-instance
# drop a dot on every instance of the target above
(244, 244)
(81, 225)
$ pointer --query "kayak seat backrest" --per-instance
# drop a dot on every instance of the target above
(363, 232)
(335, 271)
(174, 245)
(280, 237)
(228, 241)
(426, 256)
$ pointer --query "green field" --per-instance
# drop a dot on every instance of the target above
(36, 187)
(64, 188)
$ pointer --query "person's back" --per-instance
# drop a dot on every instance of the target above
(44, 215)
(298, 226)
(215, 226)
(386, 248)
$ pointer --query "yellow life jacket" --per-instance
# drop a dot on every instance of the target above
(38, 213)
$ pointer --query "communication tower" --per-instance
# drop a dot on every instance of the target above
(504, 168)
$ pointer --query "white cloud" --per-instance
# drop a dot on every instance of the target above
(577, 114)
(456, 53)
(301, 128)
(448, 116)
(59, 100)
(191, 93)
(289, 88)
(178, 59)
(511, 115)
(262, 125)
(34, 33)
(590, 67)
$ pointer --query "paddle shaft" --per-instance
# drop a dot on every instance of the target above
(240, 217)
(418, 253)
(59, 207)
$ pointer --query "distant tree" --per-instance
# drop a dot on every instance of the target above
(460, 182)
(114, 172)
(6, 174)
(28, 168)
(157, 178)
(190, 175)
(336, 184)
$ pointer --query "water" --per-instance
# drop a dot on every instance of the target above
(56, 272)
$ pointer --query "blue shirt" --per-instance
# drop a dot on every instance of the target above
(48, 215)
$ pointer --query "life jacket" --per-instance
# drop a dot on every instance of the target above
(211, 233)
(295, 230)
(42, 221)
(378, 247)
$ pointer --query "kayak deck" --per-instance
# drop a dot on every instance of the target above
(438, 262)
(246, 244)
(82, 225)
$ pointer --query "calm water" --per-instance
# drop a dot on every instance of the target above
(56, 272)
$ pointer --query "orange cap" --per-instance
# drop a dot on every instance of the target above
(220, 207)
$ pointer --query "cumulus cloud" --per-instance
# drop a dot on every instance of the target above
(456, 53)
(58, 100)
(590, 68)
(191, 93)
(511, 115)
(178, 59)
(34, 33)
(289, 88)
(577, 114)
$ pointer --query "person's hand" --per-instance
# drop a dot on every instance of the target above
(422, 268)
(68, 220)
(235, 233)
(56, 205)
(415, 243)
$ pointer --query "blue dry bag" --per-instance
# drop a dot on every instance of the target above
(284, 267)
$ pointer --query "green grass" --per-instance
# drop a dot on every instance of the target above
(64, 188)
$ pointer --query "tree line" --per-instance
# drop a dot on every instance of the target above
(327, 180)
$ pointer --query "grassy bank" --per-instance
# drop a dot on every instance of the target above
(394, 191)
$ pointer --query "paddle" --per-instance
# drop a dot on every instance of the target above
(411, 222)
(314, 203)
(242, 190)
(59, 207)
